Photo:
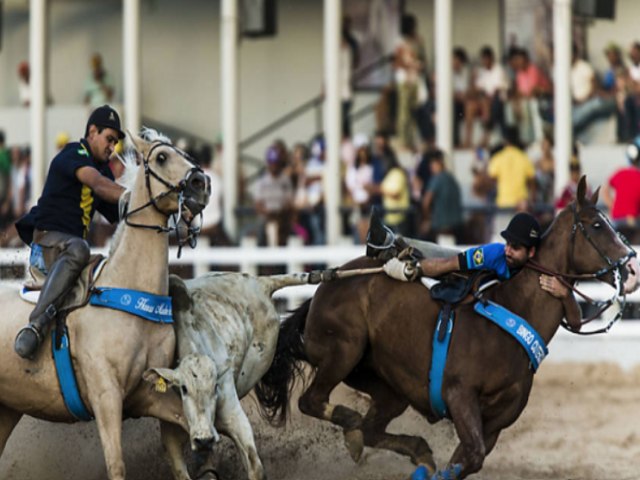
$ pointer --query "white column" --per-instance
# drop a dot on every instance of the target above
(37, 81)
(229, 112)
(332, 118)
(562, 128)
(444, 73)
(131, 64)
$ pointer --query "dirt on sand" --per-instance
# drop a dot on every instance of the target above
(582, 423)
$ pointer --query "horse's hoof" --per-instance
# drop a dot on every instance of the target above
(420, 473)
(354, 441)
(427, 461)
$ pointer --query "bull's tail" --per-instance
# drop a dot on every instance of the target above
(272, 283)
(274, 389)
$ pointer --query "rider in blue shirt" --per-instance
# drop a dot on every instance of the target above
(79, 182)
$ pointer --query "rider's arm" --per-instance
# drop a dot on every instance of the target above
(101, 185)
(435, 267)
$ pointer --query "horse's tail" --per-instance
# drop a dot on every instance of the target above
(275, 387)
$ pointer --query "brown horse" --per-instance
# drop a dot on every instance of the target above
(375, 335)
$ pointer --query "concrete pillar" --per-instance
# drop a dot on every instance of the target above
(562, 128)
(38, 85)
(131, 64)
(229, 112)
(444, 74)
(332, 118)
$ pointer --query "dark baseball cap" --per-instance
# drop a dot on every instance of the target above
(523, 229)
(105, 117)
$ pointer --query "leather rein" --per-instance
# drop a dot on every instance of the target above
(179, 188)
(568, 279)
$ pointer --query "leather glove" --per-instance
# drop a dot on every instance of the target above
(404, 271)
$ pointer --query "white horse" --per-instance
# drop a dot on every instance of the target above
(227, 329)
(110, 349)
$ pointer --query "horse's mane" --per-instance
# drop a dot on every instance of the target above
(130, 161)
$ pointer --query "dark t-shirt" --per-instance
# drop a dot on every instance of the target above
(66, 205)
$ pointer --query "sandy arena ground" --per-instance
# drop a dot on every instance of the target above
(582, 423)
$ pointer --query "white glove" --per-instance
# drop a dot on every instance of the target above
(399, 270)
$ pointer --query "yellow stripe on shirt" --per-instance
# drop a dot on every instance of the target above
(86, 202)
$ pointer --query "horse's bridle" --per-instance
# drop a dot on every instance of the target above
(568, 279)
(179, 188)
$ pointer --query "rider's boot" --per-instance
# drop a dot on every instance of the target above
(30, 337)
(64, 273)
(380, 238)
(384, 244)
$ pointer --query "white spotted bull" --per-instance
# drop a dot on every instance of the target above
(226, 330)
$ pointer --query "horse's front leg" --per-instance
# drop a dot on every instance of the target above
(467, 419)
(105, 399)
(232, 421)
(173, 438)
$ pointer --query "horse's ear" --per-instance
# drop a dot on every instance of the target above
(582, 190)
(141, 145)
(594, 197)
(180, 299)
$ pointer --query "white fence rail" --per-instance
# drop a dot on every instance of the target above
(621, 345)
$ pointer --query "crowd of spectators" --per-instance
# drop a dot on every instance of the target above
(503, 107)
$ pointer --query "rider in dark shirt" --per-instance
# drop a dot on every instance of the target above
(79, 182)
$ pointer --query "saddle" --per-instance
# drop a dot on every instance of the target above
(76, 297)
(455, 289)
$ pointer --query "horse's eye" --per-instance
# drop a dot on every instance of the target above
(161, 158)
(184, 390)
(597, 225)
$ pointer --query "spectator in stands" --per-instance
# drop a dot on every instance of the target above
(632, 101)
(349, 58)
(381, 158)
(422, 174)
(358, 180)
(20, 181)
(24, 90)
(5, 184)
(409, 71)
(530, 83)
(442, 203)
(513, 173)
(545, 166)
(461, 85)
(486, 99)
(297, 172)
(98, 88)
(273, 197)
(589, 102)
(314, 174)
(212, 225)
(614, 84)
(568, 194)
(622, 192)
(396, 196)
(62, 138)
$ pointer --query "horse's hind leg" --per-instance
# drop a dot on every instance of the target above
(386, 405)
(8, 420)
(335, 358)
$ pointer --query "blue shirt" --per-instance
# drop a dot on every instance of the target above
(66, 204)
(487, 257)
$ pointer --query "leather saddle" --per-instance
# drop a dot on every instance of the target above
(75, 298)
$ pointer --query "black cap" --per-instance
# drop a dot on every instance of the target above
(523, 229)
(106, 117)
